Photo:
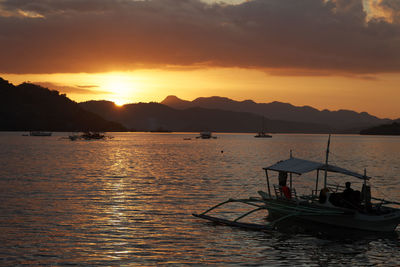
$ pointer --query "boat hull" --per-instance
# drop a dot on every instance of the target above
(263, 135)
(352, 220)
(40, 133)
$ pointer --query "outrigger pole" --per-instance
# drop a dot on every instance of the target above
(264, 204)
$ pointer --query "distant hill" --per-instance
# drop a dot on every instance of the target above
(29, 107)
(341, 120)
(32, 107)
(386, 129)
(153, 116)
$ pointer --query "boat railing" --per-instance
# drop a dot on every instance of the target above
(293, 193)
(335, 187)
(280, 193)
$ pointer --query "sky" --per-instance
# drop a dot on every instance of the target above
(328, 54)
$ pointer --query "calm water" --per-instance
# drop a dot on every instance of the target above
(128, 200)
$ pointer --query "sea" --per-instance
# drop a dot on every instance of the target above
(128, 200)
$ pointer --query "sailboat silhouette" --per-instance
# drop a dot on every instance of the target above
(262, 133)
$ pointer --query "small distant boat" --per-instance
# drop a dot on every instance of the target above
(206, 135)
(73, 137)
(89, 135)
(39, 133)
(325, 205)
(262, 133)
(93, 135)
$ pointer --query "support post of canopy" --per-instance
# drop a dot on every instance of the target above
(269, 189)
(316, 183)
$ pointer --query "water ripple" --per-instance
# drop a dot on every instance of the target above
(128, 201)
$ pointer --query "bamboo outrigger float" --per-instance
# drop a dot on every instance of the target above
(325, 205)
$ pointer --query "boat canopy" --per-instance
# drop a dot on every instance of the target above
(300, 166)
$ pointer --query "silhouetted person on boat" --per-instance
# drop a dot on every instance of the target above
(351, 198)
(282, 184)
(323, 194)
(282, 178)
(348, 191)
(347, 195)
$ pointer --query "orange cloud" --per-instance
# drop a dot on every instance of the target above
(78, 89)
(318, 36)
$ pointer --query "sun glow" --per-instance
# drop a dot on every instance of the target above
(146, 85)
(122, 87)
(119, 102)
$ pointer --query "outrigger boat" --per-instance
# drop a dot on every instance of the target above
(325, 205)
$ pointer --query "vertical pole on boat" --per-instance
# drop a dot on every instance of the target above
(365, 188)
(326, 160)
(316, 183)
(290, 186)
(269, 189)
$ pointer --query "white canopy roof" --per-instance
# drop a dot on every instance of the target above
(300, 166)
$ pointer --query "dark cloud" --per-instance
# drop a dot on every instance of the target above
(46, 36)
(79, 89)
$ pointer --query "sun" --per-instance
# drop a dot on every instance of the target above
(119, 102)
(122, 87)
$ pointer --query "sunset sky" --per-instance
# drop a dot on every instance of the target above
(333, 54)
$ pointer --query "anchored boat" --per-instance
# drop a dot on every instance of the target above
(326, 205)
(39, 133)
(262, 133)
(206, 135)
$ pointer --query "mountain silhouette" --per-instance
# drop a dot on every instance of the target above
(153, 116)
(340, 121)
(385, 129)
(29, 107)
(177, 103)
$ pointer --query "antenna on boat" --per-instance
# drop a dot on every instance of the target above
(326, 160)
